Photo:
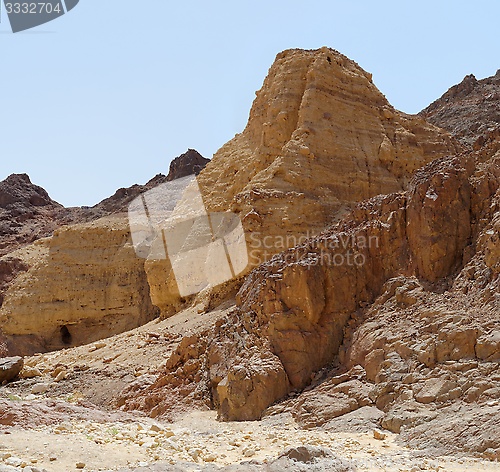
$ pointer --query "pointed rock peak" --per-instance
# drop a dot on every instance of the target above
(17, 189)
(18, 178)
(465, 87)
(191, 162)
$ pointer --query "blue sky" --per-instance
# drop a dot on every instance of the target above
(108, 94)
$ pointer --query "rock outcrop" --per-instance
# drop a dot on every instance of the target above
(320, 138)
(392, 309)
(301, 301)
(84, 283)
(373, 292)
(27, 213)
(189, 163)
(469, 110)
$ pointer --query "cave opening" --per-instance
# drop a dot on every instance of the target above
(66, 337)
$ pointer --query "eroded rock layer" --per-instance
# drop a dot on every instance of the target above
(320, 137)
(83, 281)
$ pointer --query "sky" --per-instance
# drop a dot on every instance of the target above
(105, 96)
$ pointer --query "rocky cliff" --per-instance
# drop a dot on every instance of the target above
(320, 138)
(391, 314)
(378, 298)
(408, 334)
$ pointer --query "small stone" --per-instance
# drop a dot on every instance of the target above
(14, 461)
(57, 371)
(155, 428)
(61, 376)
(10, 368)
(39, 388)
(194, 453)
(30, 372)
(249, 452)
(52, 458)
(80, 465)
(377, 434)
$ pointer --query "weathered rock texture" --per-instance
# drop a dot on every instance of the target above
(10, 367)
(320, 137)
(409, 327)
(469, 110)
(189, 163)
(392, 311)
(83, 283)
(27, 213)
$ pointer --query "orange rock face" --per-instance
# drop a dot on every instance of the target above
(320, 138)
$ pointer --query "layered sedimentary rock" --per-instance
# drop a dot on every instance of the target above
(320, 137)
(81, 284)
(84, 283)
(399, 308)
(390, 315)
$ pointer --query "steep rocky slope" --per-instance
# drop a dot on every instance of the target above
(27, 213)
(329, 139)
(396, 308)
(320, 137)
(469, 110)
(412, 331)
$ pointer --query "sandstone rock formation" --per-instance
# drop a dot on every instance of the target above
(320, 137)
(411, 330)
(83, 283)
(388, 314)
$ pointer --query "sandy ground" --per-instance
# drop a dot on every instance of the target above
(200, 438)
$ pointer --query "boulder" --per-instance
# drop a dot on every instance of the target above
(10, 367)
